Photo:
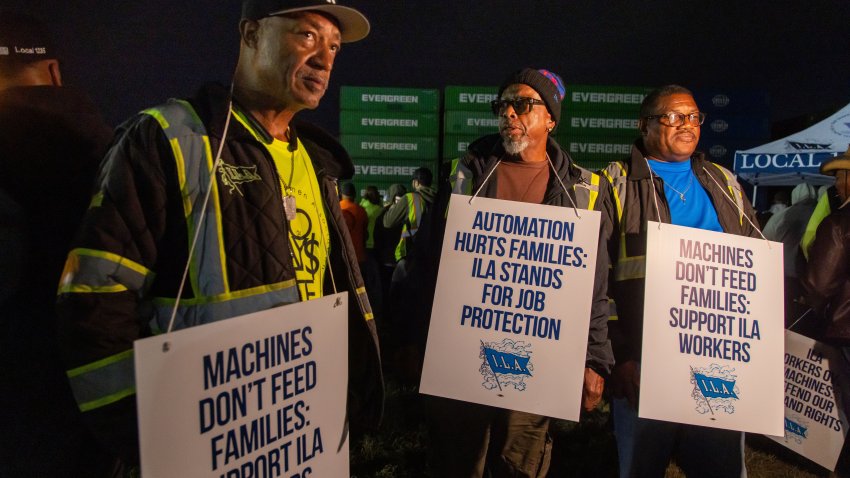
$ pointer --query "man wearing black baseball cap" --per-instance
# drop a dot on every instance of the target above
(272, 229)
(51, 140)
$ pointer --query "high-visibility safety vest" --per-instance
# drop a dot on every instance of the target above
(415, 210)
(634, 267)
(372, 212)
(822, 210)
(91, 271)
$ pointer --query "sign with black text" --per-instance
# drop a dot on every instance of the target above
(713, 331)
(512, 305)
(815, 425)
(263, 394)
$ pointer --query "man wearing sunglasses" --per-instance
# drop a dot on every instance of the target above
(665, 179)
(521, 163)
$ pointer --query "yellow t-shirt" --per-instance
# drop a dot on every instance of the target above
(308, 232)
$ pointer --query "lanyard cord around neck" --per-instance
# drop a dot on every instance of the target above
(552, 166)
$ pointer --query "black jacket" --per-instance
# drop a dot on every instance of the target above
(51, 141)
(826, 280)
(141, 218)
(480, 159)
(632, 176)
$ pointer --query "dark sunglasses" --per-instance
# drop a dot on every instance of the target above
(521, 105)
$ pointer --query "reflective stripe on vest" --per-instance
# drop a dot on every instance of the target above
(103, 382)
(587, 190)
(191, 147)
(93, 271)
(627, 267)
(199, 311)
(618, 181)
(732, 185)
(108, 380)
(634, 267)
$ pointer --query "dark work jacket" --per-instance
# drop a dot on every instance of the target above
(826, 280)
(51, 141)
(638, 207)
(480, 159)
(141, 218)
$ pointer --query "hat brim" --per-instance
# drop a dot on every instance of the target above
(838, 163)
(353, 25)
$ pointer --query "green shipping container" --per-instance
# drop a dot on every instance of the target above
(470, 98)
(455, 146)
(370, 171)
(604, 98)
(470, 123)
(579, 124)
(389, 99)
(597, 149)
(388, 123)
(392, 147)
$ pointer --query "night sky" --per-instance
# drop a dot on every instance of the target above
(132, 54)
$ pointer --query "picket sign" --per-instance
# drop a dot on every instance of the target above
(713, 331)
(511, 309)
(258, 395)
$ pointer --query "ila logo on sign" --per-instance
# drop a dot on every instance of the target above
(506, 364)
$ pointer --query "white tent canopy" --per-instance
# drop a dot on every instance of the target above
(796, 158)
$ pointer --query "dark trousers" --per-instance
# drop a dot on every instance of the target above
(699, 451)
(471, 440)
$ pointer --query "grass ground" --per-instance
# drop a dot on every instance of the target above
(585, 449)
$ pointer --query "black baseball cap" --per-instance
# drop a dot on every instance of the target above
(24, 38)
(353, 25)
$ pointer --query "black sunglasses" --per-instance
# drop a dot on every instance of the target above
(521, 105)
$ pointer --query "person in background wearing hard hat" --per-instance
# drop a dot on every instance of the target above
(826, 283)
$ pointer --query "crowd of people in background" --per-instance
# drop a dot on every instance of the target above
(102, 214)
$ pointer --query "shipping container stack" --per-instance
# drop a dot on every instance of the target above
(735, 119)
(389, 132)
(599, 123)
(467, 116)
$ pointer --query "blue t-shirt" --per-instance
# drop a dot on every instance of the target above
(689, 203)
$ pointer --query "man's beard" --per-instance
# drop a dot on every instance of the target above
(515, 147)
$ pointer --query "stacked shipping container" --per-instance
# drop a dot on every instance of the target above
(389, 132)
(599, 123)
(467, 116)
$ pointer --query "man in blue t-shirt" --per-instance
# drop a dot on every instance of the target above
(665, 179)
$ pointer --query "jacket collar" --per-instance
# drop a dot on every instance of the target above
(487, 150)
(638, 167)
(328, 156)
